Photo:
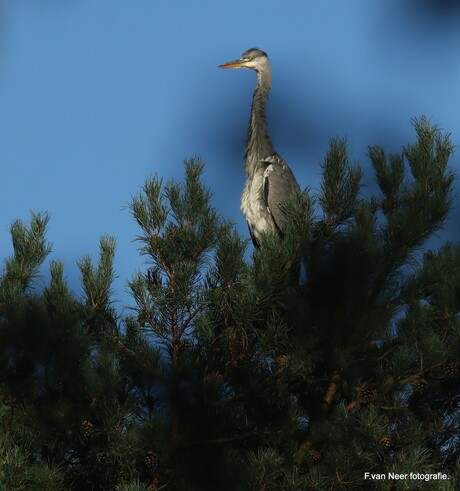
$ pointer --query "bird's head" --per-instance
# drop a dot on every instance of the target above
(253, 58)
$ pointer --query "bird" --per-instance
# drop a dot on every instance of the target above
(269, 178)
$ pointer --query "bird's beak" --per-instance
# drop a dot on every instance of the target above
(234, 64)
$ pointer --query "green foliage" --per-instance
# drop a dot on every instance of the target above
(16, 473)
(340, 185)
(233, 374)
(30, 249)
(96, 281)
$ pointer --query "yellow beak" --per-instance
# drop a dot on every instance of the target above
(233, 64)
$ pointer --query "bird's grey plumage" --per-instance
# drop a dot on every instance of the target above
(269, 178)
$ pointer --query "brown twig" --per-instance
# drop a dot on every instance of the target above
(331, 391)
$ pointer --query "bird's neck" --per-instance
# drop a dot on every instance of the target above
(259, 145)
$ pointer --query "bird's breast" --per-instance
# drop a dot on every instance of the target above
(254, 207)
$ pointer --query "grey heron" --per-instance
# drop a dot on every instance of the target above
(269, 178)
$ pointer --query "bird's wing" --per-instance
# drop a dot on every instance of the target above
(279, 182)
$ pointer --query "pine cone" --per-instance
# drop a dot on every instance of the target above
(150, 458)
(385, 442)
(185, 344)
(451, 368)
(420, 385)
(102, 459)
(122, 474)
(86, 429)
(282, 361)
(366, 394)
(314, 456)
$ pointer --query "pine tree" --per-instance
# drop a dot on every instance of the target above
(285, 386)
(230, 373)
(64, 404)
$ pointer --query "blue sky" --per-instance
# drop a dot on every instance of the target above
(97, 95)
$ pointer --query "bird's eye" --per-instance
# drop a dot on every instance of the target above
(250, 57)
